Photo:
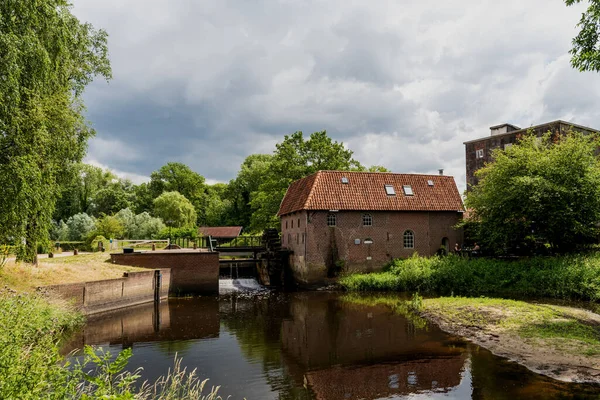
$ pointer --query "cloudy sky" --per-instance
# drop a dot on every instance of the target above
(402, 83)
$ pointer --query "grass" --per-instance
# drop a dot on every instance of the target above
(53, 271)
(31, 367)
(566, 330)
(575, 277)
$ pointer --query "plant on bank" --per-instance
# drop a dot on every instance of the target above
(572, 277)
(541, 190)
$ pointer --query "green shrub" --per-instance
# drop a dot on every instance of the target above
(572, 277)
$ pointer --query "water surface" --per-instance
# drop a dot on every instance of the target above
(313, 345)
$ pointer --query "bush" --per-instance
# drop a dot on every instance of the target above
(573, 277)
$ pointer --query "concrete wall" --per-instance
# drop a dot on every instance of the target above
(316, 246)
(192, 272)
(100, 296)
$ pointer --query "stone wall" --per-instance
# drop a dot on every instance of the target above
(99, 296)
(192, 271)
(317, 247)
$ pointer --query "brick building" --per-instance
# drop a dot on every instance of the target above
(478, 152)
(359, 221)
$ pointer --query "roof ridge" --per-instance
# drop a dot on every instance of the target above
(382, 173)
(311, 191)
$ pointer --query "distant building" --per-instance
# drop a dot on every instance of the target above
(220, 232)
(360, 221)
(478, 152)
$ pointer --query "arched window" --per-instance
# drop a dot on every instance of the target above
(409, 240)
(367, 220)
(331, 220)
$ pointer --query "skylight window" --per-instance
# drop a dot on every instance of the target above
(408, 190)
(344, 180)
(430, 182)
(389, 190)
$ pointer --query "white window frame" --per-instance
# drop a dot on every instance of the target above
(408, 190)
(479, 153)
(408, 239)
(389, 190)
(367, 220)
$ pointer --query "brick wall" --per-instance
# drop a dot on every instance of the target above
(322, 245)
(192, 272)
(491, 142)
(100, 296)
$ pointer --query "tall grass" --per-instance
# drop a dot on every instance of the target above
(573, 277)
(31, 367)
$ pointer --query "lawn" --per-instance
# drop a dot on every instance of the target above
(52, 271)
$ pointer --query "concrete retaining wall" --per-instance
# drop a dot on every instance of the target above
(192, 271)
(99, 296)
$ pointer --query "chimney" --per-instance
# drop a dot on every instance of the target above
(441, 171)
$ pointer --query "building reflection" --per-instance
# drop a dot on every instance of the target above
(351, 351)
(171, 321)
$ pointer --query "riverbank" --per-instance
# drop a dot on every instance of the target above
(560, 342)
(87, 267)
(573, 277)
(32, 326)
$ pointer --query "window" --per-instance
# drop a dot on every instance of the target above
(430, 182)
(408, 190)
(389, 190)
(286, 224)
(303, 237)
(344, 180)
(292, 224)
(331, 220)
(297, 238)
(479, 153)
(507, 145)
(289, 238)
(298, 222)
(367, 220)
(409, 240)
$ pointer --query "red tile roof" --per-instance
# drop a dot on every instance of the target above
(364, 191)
(220, 231)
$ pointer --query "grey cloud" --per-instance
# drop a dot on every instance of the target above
(402, 83)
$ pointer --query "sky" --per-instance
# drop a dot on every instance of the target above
(401, 83)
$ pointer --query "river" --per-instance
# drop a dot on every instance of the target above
(313, 345)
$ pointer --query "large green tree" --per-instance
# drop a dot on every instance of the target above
(295, 158)
(175, 210)
(585, 54)
(542, 190)
(47, 57)
(178, 177)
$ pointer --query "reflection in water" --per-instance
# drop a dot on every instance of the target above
(313, 346)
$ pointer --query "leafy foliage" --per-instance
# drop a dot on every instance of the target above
(109, 227)
(586, 49)
(542, 190)
(295, 158)
(48, 57)
(81, 226)
(175, 210)
(572, 277)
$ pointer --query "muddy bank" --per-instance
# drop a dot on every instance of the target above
(559, 342)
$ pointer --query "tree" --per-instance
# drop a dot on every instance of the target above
(110, 200)
(218, 206)
(80, 226)
(295, 158)
(175, 210)
(141, 226)
(47, 57)
(240, 190)
(178, 177)
(539, 191)
(585, 54)
(60, 231)
(110, 227)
